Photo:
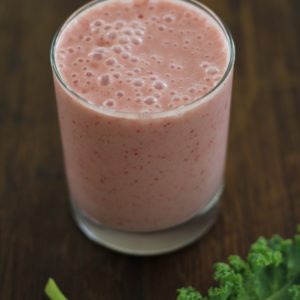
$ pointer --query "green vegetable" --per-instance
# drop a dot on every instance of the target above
(53, 292)
(271, 272)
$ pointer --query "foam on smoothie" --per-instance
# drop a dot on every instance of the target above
(138, 56)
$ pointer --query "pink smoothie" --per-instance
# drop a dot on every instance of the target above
(142, 151)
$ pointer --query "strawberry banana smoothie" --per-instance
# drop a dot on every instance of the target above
(143, 91)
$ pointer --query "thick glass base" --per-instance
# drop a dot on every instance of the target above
(150, 243)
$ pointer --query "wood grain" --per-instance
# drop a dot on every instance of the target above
(38, 238)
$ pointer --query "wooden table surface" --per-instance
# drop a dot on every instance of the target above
(38, 237)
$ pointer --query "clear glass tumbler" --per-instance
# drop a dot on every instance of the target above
(145, 183)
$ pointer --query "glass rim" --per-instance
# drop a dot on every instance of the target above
(169, 112)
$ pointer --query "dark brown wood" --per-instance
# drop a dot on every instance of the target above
(38, 238)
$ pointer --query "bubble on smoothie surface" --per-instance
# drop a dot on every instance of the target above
(176, 98)
(96, 23)
(117, 49)
(109, 103)
(169, 18)
(105, 79)
(135, 60)
(127, 31)
(111, 61)
(212, 70)
(148, 57)
(97, 53)
(119, 24)
(120, 93)
(125, 55)
(159, 84)
(150, 100)
(138, 82)
(111, 35)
